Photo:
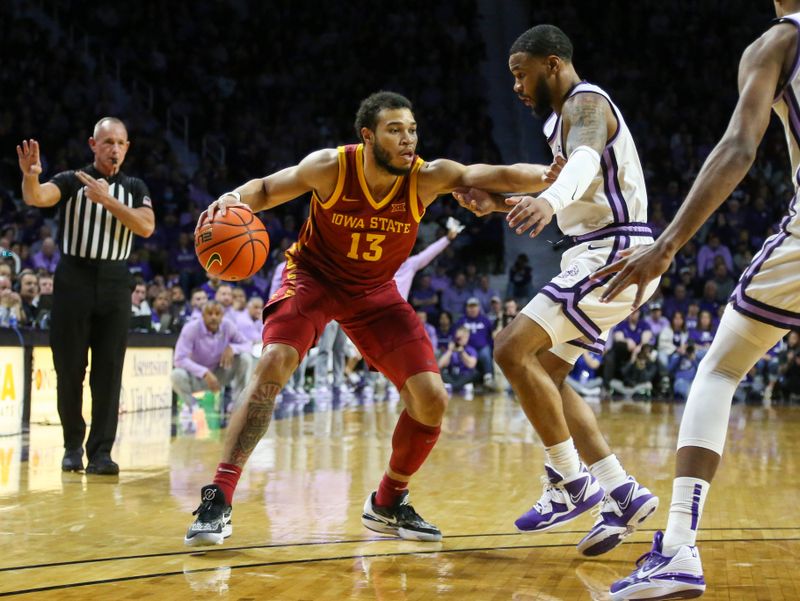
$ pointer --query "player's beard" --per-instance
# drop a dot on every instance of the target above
(383, 160)
(542, 99)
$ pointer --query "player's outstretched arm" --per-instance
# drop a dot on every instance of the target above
(759, 76)
(316, 172)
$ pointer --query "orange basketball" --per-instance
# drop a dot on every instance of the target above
(234, 246)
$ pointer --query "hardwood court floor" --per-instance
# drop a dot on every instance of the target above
(297, 534)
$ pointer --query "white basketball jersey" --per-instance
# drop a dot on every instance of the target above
(787, 107)
(617, 194)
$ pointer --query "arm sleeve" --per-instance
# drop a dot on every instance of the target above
(574, 179)
(183, 354)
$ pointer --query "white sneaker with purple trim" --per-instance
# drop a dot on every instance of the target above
(660, 577)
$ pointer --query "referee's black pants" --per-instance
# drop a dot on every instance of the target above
(91, 309)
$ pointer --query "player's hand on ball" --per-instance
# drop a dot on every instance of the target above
(220, 207)
(28, 155)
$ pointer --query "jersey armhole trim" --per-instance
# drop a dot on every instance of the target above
(337, 191)
(795, 63)
(417, 208)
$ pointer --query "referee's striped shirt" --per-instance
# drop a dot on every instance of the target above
(88, 230)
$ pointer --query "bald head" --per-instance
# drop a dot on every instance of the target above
(109, 143)
(106, 122)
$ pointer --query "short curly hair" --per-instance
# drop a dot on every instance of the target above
(367, 115)
(544, 40)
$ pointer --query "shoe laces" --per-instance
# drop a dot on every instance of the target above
(406, 513)
(549, 491)
(609, 505)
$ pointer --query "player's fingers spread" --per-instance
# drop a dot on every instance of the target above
(526, 225)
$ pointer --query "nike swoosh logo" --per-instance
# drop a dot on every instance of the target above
(577, 498)
(573, 194)
(645, 573)
(623, 505)
(595, 247)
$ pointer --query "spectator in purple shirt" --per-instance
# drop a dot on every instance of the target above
(248, 321)
(47, 258)
(423, 297)
(708, 302)
(210, 353)
(655, 320)
(709, 251)
(440, 281)
(679, 301)
(480, 337)
(458, 362)
(455, 297)
(627, 338)
(484, 293)
(703, 334)
(444, 331)
(197, 301)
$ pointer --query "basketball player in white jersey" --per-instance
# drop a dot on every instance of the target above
(600, 202)
(763, 307)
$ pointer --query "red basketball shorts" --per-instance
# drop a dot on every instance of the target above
(382, 325)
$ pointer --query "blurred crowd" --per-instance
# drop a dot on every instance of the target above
(290, 83)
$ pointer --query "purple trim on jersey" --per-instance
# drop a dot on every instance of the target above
(613, 155)
(795, 62)
(761, 258)
(609, 179)
(569, 298)
(568, 304)
(698, 489)
(596, 347)
(793, 114)
(629, 229)
(774, 316)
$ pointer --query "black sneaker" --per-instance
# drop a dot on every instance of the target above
(73, 460)
(400, 519)
(102, 465)
(213, 524)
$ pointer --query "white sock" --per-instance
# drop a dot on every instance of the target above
(564, 458)
(688, 498)
(609, 473)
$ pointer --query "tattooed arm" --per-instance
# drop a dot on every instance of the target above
(588, 122)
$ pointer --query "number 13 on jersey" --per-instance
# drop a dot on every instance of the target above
(373, 253)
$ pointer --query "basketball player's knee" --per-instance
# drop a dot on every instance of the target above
(429, 405)
(505, 353)
(278, 357)
(438, 402)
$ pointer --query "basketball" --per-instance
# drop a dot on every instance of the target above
(233, 246)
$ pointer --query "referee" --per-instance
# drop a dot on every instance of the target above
(100, 210)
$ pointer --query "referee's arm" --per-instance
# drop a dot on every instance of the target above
(35, 194)
(140, 220)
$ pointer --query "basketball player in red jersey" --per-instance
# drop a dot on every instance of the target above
(367, 202)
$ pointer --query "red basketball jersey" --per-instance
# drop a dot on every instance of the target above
(354, 240)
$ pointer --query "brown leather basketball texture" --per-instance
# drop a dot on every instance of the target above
(233, 246)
